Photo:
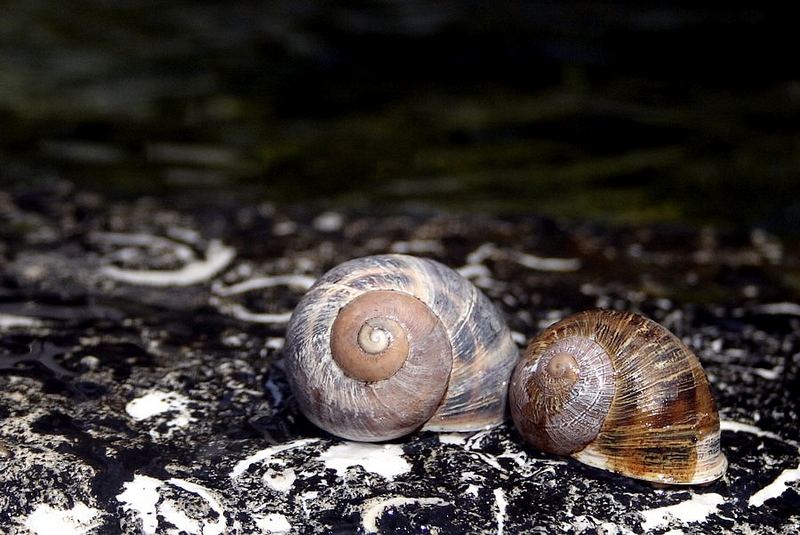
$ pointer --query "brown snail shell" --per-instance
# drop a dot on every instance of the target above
(384, 345)
(619, 392)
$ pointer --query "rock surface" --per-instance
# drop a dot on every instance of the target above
(142, 389)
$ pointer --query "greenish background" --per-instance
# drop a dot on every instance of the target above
(642, 112)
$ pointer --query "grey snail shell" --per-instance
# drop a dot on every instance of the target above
(619, 392)
(384, 345)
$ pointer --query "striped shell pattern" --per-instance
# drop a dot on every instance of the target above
(619, 392)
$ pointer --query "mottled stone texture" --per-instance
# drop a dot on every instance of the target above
(142, 389)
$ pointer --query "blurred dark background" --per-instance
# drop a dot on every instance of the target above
(627, 113)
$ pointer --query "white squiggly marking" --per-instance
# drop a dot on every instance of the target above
(155, 403)
(372, 509)
(385, 460)
(473, 443)
(776, 488)
(210, 528)
(217, 258)
(730, 425)
(79, 520)
(771, 373)
(780, 484)
(519, 338)
(142, 496)
(273, 523)
(280, 480)
(483, 252)
(241, 312)
(267, 454)
(695, 509)
(181, 251)
(416, 247)
(10, 321)
(328, 222)
(301, 282)
(458, 439)
(786, 308)
(539, 263)
(474, 271)
(500, 513)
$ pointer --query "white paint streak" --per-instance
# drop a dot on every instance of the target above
(610, 528)
(306, 498)
(328, 222)
(187, 235)
(530, 261)
(238, 311)
(267, 454)
(695, 509)
(10, 321)
(141, 495)
(540, 263)
(416, 246)
(217, 258)
(458, 439)
(275, 343)
(372, 509)
(301, 282)
(184, 252)
(474, 271)
(151, 404)
(770, 374)
(244, 314)
(385, 460)
(500, 513)
(491, 460)
(155, 403)
(280, 480)
(45, 520)
(776, 488)
(484, 252)
(476, 440)
(273, 523)
(791, 309)
(730, 425)
(214, 528)
(178, 518)
(472, 443)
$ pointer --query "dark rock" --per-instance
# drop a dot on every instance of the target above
(141, 390)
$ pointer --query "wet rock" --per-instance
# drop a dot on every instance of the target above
(142, 388)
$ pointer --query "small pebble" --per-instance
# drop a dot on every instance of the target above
(91, 362)
(328, 222)
(5, 452)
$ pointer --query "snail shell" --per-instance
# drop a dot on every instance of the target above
(383, 345)
(619, 392)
